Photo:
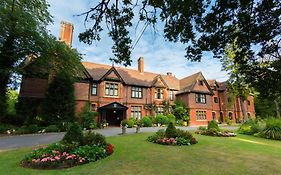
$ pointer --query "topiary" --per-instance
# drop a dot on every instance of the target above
(131, 122)
(74, 134)
(146, 122)
(213, 125)
(171, 130)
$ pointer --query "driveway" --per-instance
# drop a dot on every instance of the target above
(19, 141)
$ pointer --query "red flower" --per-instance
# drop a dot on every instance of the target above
(109, 149)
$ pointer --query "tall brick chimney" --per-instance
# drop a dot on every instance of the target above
(66, 32)
(141, 64)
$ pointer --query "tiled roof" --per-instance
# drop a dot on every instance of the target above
(130, 76)
(134, 77)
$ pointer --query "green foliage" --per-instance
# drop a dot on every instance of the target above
(272, 129)
(180, 111)
(12, 101)
(93, 138)
(182, 141)
(171, 118)
(124, 122)
(213, 125)
(202, 128)
(146, 121)
(28, 129)
(158, 135)
(88, 117)
(52, 128)
(179, 122)
(252, 127)
(131, 122)
(161, 119)
(74, 134)
(171, 131)
(23, 27)
(183, 134)
(5, 127)
(59, 103)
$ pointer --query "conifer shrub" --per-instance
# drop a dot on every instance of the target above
(213, 125)
(171, 130)
(74, 134)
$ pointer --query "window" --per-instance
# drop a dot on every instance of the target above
(216, 99)
(136, 112)
(159, 110)
(200, 98)
(214, 115)
(230, 115)
(200, 115)
(111, 89)
(136, 92)
(171, 95)
(249, 103)
(200, 82)
(94, 89)
(249, 115)
(158, 93)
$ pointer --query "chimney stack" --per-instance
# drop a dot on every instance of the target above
(141, 64)
(66, 32)
(169, 73)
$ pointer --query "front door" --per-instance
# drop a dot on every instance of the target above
(114, 117)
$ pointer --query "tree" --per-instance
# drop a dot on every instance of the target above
(23, 27)
(203, 26)
(180, 111)
(59, 103)
(237, 87)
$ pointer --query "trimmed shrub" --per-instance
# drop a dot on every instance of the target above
(161, 119)
(52, 128)
(171, 131)
(171, 118)
(213, 125)
(74, 134)
(146, 121)
(124, 122)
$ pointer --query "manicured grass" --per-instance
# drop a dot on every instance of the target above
(134, 155)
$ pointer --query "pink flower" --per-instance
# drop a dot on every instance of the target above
(57, 158)
(44, 160)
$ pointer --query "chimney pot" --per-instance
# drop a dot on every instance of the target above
(169, 73)
(141, 64)
(66, 32)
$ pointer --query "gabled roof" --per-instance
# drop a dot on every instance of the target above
(187, 84)
(130, 76)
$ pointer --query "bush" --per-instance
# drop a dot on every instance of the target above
(272, 129)
(158, 135)
(171, 131)
(124, 122)
(88, 117)
(202, 128)
(146, 122)
(182, 141)
(52, 128)
(93, 138)
(161, 119)
(183, 134)
(131, 122)
(179, 122)
(252, 127)
(73, 135)
(5, 127)
(171, 118)
(28, 129)
(213, 125)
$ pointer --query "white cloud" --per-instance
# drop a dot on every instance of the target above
(159, 55)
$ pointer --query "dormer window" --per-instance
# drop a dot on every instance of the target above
(200, 82)
(158, 93)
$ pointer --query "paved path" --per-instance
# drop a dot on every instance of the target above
(19, 141)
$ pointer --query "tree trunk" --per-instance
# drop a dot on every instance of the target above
(243, 108)
(277, 108)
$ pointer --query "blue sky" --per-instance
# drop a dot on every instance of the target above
(160, 56)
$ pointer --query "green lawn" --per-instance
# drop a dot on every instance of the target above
(134, 155)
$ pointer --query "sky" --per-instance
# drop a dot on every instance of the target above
(160, 56)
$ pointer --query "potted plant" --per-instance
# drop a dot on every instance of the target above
(138, 126)
(124, 125)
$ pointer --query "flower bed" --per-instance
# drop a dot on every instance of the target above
(172, 136)
(211, 132)
(75, 149)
